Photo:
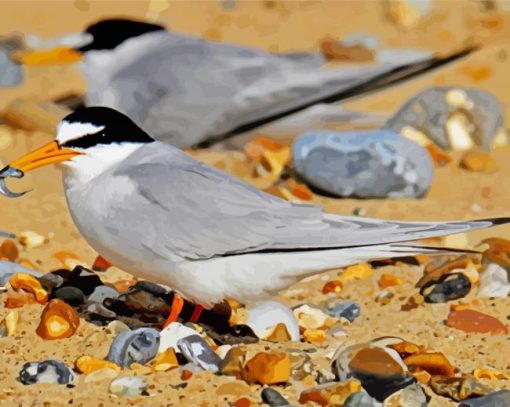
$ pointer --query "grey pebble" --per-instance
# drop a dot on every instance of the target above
(48, 371)
(349, 310)
(197, 351)
(70, 295)
(101, 292)
(273, 398)
(137, 346)
(360, 399)
(497, 399)
(130, 386)
(447, 288)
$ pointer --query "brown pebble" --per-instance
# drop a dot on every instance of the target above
(58, 321)
(472, 321)
(267, 368)
(9, 250)
(433, 363)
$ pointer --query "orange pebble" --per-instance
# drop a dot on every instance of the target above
(58, 320)
(89, 364)
(186, 374)
(18, 299)
(333, 286)
(256, 147)
(123, 285)
(29, 283)
(242, 402)
(433, 363)
(301, 191)
(389, 280)
(9, 250)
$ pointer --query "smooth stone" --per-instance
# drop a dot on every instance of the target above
(172, 334)
(70, 295)
(380, 388)
(144, 302)
(137, 346)
(265, 315)
(431, 110)
(364, 164)
(410, 396)
(130, 386)
(105, 373)
(349, 310)
(360, 399)
(117, 327)
(100, 293)
(51, 281)
(197, 351)
(49, 371)
(100, 311)
(494, 282)
(497, 399)
(8, 269)
(86, 280)
(273, 398)
(448, 287)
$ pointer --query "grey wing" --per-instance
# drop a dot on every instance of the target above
(197, 212)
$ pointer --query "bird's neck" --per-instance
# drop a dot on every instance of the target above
(96, 161)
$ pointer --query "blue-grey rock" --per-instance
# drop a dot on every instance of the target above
(100, 312)
(273, 398)
(360, 399)
(8, 268)
(7, 234)
(448, 287)
(11, 73)
(364, 164)
(51, 281)
(130, 386)
(198, 352)
(48, 371)
(70, 295)
(137, 346)
(101, 292)
(349, 310)
(431, 111)
(497, 399)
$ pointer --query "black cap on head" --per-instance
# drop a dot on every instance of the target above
(108, 34)
(112, 127)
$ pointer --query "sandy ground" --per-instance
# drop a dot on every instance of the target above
(455, 194)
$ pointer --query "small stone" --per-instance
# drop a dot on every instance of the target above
(165, 361)
(105, 373)
(273, 398)
(258, 145)
(494, 282)
(314, 335)
(272, 163)
(350, 310)
(333, 286)
(264, 316)
(458, 388)
(99, 312)
(498, 252)
(51, 281)
(172, 334)
(236, 388)
(70, 295)
(434, 273)
(11, 73)
(364, 164)
(410, 396)
(89, 364)
(384, 297)
(267, 368)
(84, 279)
(478, 161)
(58, 321)
(9, 324)
(234, 361)
(340, 51)
(472, 321)
(360, 399)
(490, 374)
(27, 282)
(376, 362)
(49, 371)
(18, 299)
(31, 240)
(433, 363)
(330, 394)
(130, 386)
(312, 318)
(117, 327)
(100, 293)
(358, 271)
(145, 302)
(198, 352)
(8, 269)
(497, 399)
(9, 250)
(407, 14)
(279, 334)
(449, 287)
(389, 280)
(137, 346)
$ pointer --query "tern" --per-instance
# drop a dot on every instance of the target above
(152, 210)
(188, 91)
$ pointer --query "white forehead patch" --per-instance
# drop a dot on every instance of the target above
(72, 130)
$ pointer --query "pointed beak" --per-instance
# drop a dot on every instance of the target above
(59, 55)
(50, 153)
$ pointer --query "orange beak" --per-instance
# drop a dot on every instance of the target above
(60, 55)
(50, 153)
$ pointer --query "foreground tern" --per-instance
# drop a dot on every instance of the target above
(186, 90)
(152, 210)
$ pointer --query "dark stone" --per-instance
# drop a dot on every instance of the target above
(153, 289)
(497, 399)
(51, 281)
(449, 287)
(198, 352)
(381, 387)
(118, 306)
(349, 310)
(144, 302)
(359, 399)
(101, 293)
(234, 335)
(70, 295)
(48, 371)
(99, 313)
(138, 346)
(85, 279)
(273, 398)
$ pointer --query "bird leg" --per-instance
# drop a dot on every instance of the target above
(196, 313)
(175, 310)
(100, 264)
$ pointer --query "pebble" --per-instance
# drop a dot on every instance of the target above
(498, 252)
(145, 302)
(58, 321)
(410, 396)
(472, 321)
(11, 73)
(31, 240)
(360, 399)
(99, 313)
(196, 350)
(273, 398)
(116, 327)
(130, 386)
(439, 113)
(264, 316)
(279, 334)
(105, 373)
(101, 292)
(90, 364)
(165, 361)
(364, 164)
(27, 282)
(84, 279)
(172, 334)
(9, 324)
(350, 310)
(51, 281)
(49, 371)
(358, 271)
(330, 394)
(389, 280)
(19, 299)
(408, 13)
(8, 269)
(499, 398)
(233, 362)
(344, 51)
(70, 295)
(494, 282)
(8, 249)
(449, 287)
(267, 368)
(137, 346)
(458, 388)
(333, 286)
(312, 318)
(478, 161)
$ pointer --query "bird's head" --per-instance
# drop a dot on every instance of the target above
(88, 142)
(103, 35)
